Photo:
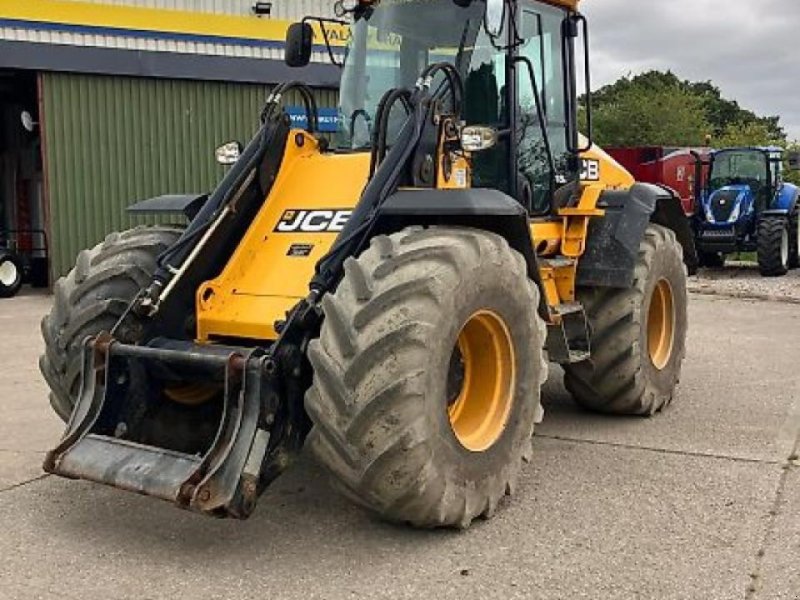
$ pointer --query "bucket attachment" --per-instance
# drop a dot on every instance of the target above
(117, 434)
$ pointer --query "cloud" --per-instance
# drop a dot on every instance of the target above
(748, 48)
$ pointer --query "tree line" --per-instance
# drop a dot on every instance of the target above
(658, 108)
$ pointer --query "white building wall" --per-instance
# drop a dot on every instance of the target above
(289, 10)
(281, 9)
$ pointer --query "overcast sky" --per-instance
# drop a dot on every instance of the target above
(749, 48)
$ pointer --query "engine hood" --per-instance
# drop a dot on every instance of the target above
(727, 204)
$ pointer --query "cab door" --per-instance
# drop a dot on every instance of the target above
(540, 30)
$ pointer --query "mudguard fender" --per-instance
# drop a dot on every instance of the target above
(486, 209)
(786, 200)
(613, 241)
(170, 204)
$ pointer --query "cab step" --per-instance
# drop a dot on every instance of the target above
(556, 262)
(568, 340)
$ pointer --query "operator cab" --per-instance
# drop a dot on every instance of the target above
(521, 76)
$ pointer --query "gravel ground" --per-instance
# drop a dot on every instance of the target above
(742, 280)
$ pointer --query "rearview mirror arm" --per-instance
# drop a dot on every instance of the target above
(321, 21)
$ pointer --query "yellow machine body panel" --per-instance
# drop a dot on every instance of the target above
(600, 170)
(311, 200)
(309, 203)
(565, 233)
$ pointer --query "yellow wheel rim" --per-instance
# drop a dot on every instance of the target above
(661, 325)
(479, 413)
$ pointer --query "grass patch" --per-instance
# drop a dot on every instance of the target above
(748, 257)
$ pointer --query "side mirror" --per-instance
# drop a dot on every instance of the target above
(299, 43)
(494, 17)
(229, 153)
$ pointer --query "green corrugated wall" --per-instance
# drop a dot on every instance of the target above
(111, 141)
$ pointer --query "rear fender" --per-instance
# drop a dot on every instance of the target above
(669, 213)
(486, 209)
(786, 200)
(612, 245)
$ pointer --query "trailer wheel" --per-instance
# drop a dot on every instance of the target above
(638, 334)
(427, 375)
(794, 238)
(774, 243)
(92, 298)
(11, 270)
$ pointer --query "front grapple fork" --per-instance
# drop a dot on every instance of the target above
(103, 441)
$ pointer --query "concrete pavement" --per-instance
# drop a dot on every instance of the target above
(700, 502)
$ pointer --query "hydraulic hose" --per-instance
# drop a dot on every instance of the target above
(382, 116)
(388, 170)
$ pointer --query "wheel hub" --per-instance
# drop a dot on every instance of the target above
(661, 325)
(8, 273)
(785, 247)
(483, 362)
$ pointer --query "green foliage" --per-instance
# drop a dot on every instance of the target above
(658, 108)
(792, 176)
(753, 133)
(659, 113)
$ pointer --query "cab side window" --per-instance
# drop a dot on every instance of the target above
(485, 87)
(540, 29)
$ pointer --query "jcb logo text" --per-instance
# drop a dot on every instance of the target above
(590, 169)
(313, 221)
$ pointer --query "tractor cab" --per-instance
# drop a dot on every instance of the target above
(741, 181)
(745, 194)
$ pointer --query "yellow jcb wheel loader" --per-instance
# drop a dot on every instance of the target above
(391, 296)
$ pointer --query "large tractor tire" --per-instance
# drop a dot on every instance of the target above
(427, 376)
(638, 334)
(773, 246)
(794, 238)
(91, 299)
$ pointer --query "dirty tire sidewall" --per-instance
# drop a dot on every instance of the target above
(660, 384)
(91, 299)
(794, 238)
(620, 378)
(379, 402)
(771, 230)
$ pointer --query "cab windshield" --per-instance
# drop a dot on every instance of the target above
(391, 44)
(737, 167)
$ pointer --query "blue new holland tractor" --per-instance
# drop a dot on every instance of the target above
(746, 206)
